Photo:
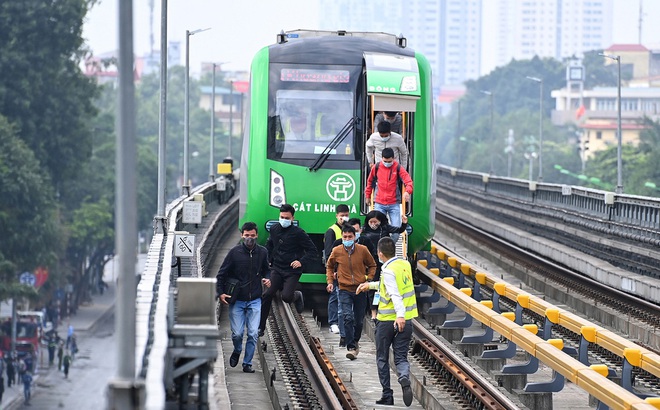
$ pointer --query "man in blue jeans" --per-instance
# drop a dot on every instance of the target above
(354, 265)
(239, 285)
(385, 180)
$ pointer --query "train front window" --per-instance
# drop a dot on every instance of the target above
(306, 121)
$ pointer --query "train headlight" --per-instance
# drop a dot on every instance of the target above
(277, 193)
(409, 83)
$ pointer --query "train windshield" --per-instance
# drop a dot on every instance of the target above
(306, 121)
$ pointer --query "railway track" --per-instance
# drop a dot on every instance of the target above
(466, 386)
(627, 305)
(313, 382)
(624, 304)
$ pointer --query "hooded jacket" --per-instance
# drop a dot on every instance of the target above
(376, 145)
(383, 230)
(249, 266)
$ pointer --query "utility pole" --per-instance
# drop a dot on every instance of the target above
(125, 391)
(159, 219)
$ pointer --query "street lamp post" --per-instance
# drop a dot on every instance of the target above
(186, 112)
(231, 116)
(531, 156)
(211, 160)
(540, 81)
(492, 137)
(160, 219)
(619, 165)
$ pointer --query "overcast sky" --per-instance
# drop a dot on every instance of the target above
(239, 28)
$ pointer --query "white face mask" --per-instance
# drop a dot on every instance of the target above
(285, 223)
(388, 164)
(344, 219)
(374, 226)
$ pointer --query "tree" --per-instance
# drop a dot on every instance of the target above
(42, 90)
(28, 222)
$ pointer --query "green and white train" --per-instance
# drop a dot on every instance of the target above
(312, 100)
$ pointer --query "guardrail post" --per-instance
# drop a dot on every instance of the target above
(500, 290)
(526, 368)
(557, 382)
(631, 358)
(522, 303)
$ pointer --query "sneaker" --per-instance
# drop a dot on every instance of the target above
(357, 348)
(334, 329)
(233, 359)
(342, 342)
(407, 391)
(352, 354)
(247, 368)
(386, 401)
(299, 301)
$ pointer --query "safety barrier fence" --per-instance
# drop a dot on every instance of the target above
(442, 269)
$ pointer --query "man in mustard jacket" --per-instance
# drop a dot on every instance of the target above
(354, 265)
(397, 306)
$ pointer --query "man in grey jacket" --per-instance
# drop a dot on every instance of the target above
(385, 138)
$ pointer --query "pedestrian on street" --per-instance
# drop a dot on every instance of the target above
(2, 389)
(52, 345)
(11, 371)
(290, 250)
(60, 355)
(397, 306)
(239, 285)
(69, 335)
(67, 363)
(27, 387)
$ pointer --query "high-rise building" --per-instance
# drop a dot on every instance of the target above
(548, 28)
(447, 32)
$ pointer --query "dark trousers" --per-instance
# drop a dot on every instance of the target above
(353, 308)
(287, 283)
(386, 337)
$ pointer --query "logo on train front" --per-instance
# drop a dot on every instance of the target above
(340, 187)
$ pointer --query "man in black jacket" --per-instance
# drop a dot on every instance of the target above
(289, 250)
(239, 285)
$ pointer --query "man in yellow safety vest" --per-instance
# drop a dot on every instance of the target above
(397, 306)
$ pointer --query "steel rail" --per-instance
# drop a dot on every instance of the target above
(595, 289)
(478, 386)
(319, 382)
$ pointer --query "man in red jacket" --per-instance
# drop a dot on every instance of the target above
(385, 181)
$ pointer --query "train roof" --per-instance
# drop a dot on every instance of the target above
(335, 49)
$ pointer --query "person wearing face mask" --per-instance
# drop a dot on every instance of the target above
(384, 182)
(335, 320)
(362, 240)
(354, 265)
(397, 306)
(375, 228)
(239, 285)
(385, 138)
(393, 117)
(289, 251)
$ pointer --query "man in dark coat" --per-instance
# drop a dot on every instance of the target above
(289, 251)
(239, 285)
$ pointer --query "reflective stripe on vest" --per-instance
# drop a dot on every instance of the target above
(403, 275)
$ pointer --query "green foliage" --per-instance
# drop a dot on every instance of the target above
(42, 90)
(27, 206)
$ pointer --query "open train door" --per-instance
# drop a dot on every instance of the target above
(393, 84)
